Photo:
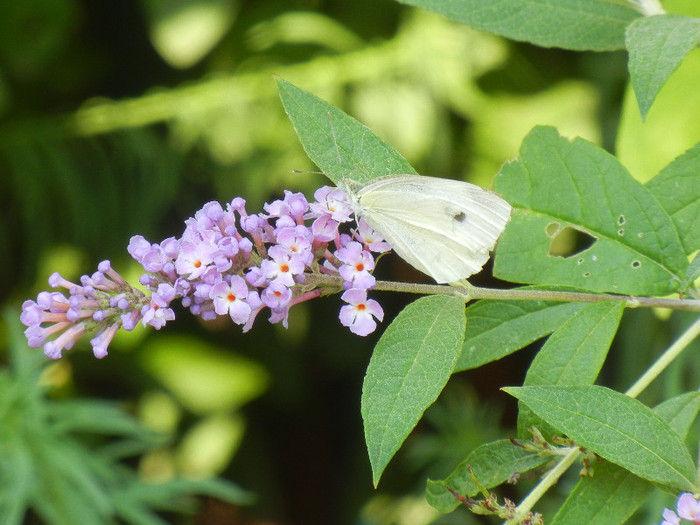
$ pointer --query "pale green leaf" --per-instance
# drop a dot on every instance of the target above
(409, 368)
(337, 143)
(491, 463)
(657, 44)
(496, 329)
(557, 186)
(570, 24)
(617, 428)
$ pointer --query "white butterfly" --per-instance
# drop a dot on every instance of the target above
(444, 228)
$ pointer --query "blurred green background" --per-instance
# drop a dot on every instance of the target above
(124, 118)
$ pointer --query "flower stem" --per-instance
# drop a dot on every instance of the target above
(544, 485)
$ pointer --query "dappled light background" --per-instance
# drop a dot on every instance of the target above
(124, 118)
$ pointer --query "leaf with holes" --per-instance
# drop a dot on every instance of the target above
(557, 186)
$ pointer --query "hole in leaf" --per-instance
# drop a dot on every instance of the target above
(586, 275)
(552, 229)
(568, 242)
(621, 232)
(621, 220)
(636, 264)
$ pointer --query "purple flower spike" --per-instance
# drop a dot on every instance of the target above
(226, 262)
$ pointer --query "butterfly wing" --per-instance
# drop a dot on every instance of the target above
(444, 228)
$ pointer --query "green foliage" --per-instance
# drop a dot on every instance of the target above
(110, 169)
(490, 464)
(52, 465)
(640, 246)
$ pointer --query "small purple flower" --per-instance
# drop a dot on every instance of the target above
(194, 259)
(324, 229)
(282, 267)
(231, 298)
(371, 238)
(359, 312)
(331, 201)
(688, 507)
(276, 296)
(99, 304)
(670, 518)
(297, 241)
(356, 267)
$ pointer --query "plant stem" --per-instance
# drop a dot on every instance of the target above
(666, 358)
(544, 485)
(474, 292)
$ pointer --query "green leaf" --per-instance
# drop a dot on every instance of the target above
(338, 144)
(611, 495)
(559, 186)
(571, 24)
(409, 368)
(692, 274)
(617, 428)
(680, 411)
(575, 352)
(573, 355)
(671, 127)
(491, 463)
(657, 45)
(677, 188)
(496, 329)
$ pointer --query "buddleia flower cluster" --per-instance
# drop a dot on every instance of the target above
(227, 262)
